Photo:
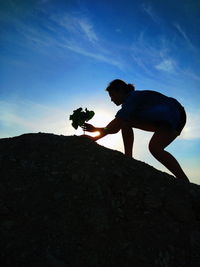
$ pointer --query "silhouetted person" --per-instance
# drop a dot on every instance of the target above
(149, 111)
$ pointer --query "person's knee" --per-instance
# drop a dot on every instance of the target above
(155, 149)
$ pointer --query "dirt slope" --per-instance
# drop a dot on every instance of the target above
(66, 201)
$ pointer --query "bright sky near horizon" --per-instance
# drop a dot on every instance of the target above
(59, 55)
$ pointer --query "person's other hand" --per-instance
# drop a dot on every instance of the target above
(88, 127)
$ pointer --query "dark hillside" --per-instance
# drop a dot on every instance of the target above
(66, 201)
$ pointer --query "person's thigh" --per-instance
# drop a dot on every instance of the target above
(163, 137)
(142, 125)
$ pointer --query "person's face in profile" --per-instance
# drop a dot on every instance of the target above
(117, 97)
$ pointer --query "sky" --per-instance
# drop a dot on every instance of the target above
(59, 55)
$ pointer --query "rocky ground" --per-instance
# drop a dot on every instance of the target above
(66, 201)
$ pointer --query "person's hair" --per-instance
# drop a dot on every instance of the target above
(119, 85)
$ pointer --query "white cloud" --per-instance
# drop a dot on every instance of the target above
(192, 127)
(166, 65)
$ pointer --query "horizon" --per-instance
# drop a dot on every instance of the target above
(57, 56)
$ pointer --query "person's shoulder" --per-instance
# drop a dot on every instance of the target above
(147, 92)
(130, 96)
(152, 93)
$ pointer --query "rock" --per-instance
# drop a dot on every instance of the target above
(67, 201)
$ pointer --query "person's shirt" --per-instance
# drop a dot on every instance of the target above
(137, 103)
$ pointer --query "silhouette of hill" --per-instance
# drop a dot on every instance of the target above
(67, 201)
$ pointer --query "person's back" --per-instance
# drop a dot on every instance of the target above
(149, 98)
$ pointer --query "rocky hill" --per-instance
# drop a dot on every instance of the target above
(66, 201)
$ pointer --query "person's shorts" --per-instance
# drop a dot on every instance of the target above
(171, 116)
(182, 121)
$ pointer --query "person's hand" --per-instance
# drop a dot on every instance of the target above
(88, 127)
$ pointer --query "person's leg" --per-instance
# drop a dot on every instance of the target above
(161, 139)
(128, 137)
(128, 134)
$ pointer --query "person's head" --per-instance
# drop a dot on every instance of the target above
(118, 91)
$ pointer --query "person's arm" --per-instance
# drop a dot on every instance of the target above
(90, 128)
(113, 127)
(128, 138)
(127, 134)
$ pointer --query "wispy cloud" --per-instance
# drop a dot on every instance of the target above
(149, 10)
(184, 35)
(97, 55)
(38, 118)
(84, 40)
(88, 29)
(78, 25)
(153, 55)
(65, 33)
(193, 74)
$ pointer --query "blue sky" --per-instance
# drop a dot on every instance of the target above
(59, 55)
